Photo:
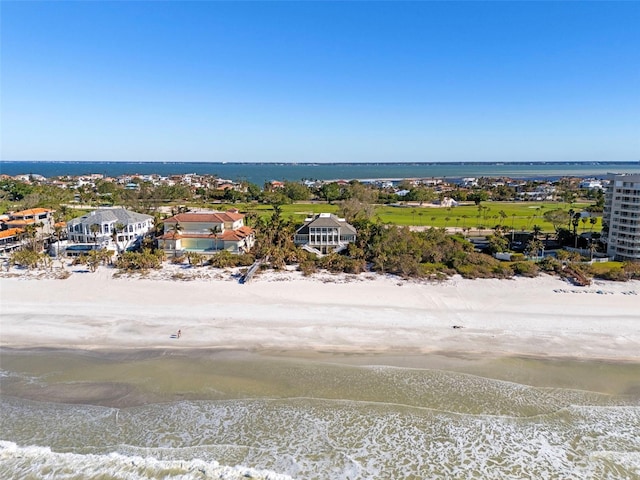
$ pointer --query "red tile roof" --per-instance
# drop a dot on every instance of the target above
(12, 232)
(237, 234)
(31, 211)
(27, 221)
(212, 217)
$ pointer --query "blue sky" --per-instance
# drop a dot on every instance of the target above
(320, 81)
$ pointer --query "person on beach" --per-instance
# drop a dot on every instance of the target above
(179, 333)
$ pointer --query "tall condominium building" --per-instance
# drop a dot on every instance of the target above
(622, 215)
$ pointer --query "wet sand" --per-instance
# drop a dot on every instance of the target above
(125, 379)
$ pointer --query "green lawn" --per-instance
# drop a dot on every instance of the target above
(601, 267)
(519, 215)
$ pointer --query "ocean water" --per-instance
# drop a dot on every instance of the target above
(259, 173)
(231, 415)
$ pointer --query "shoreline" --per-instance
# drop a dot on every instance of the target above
(117, 379)
(542, 317)
(340, 355)
(359, 357)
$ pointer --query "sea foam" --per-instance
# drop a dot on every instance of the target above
(43, 463)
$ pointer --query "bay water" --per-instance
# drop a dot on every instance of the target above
(259, 173)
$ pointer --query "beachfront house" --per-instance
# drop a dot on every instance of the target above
(325, 233)
(113, 228)
(206, 232)
(41, 219)
(11, 239)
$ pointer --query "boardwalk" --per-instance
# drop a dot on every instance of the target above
(252, 270)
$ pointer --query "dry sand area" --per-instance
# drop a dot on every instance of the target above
(542, 316)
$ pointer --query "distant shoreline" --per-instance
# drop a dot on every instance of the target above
(260, 173)
(542, 162)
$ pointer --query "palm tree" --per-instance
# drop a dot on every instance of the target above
(534, 246)
(94, 259)
(593, 248)
(536, 231)
(250, 218)
(117, 228)
(575, 221)
(95, 229)
(571, 212)
(215, 231)
(57, 229)
(31, 234)
(63, 213)
(158, 225)
(503, 215)
(176, 228)
(175, 231)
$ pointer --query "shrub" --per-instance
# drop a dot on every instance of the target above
(438, 270)
(355, 265)
(142, 260)
(478, 265)
(525, 269)
(176, 260)
(26, 258)
(614, 274)
(632, 270)
(226, 259)
(307, 267)
(549, 264)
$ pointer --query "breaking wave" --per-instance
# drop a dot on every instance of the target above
(42, 463)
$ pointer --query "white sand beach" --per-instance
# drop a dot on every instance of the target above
(543, 316)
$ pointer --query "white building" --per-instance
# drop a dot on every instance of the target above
(106, 226)
(325, 233)
(591, 184)
(622, 216)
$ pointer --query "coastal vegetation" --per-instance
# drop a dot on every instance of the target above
(483, 206)
(416, 235)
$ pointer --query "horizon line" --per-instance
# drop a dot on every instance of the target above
(470, 162)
